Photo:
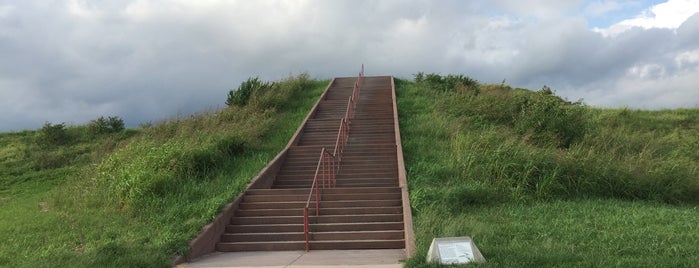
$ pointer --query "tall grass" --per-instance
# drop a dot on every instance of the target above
(140, 201)
(478, 157)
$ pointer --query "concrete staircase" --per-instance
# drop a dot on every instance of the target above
(363, 211)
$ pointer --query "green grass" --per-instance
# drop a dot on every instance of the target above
(537, 181)
(137, 198)
(570, 233)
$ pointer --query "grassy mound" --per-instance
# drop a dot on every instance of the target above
(135, 198)
(536, 180)
(540, 181)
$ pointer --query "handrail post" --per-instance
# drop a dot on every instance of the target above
(305, 228)
(322, 157)
(317, 201)
(327, 167)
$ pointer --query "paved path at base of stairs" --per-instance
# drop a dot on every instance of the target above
(388, 258)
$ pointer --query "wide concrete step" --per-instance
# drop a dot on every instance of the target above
(339, 190)
(368, 173)
(349, 156)
(371, 131)
(346, 164)
(315, 227)
(342, 180)
(371, 139)
(325, 197)
(347, 169)
(314, 245)
(259, 237)
(324, 204)
(318, 219)
(324, 211)
(341, 184)
(356, 244)
(341, 176)
(261, 246)
(361, 124)
(358, 171)
(327, 143)
(314, 236)
(338, 96)
(363, 129)
(350, 152)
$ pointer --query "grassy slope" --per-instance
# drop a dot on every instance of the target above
(623, 193)
(29, 174)
(136, 200)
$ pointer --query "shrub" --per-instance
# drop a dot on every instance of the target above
(419, 77)
(540, 117)
(242, 94)
(103, 125)
(447, 83)
(53, 135)
(116, 124)
(276, 94)
(545, 118)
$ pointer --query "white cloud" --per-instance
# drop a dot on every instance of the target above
(82, 9)
(144, 60)
(647, 71)
(687, 59)
(670, 91)
(668, 15)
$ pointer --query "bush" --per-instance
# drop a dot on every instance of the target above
(276, 94)
(116, 124)
(267, 95)
(53, 135)
(242, 94)
(103, 125)
(547, 119)
(447, 83)
(541, 117)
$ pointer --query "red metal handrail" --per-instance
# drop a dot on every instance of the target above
(340, 142)
(326, 169)
(329, 164)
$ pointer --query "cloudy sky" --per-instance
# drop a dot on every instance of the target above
(146, 60)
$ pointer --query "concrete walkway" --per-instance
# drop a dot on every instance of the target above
(388, 258)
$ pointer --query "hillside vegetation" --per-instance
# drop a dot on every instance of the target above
(538, 181)
(134, 198)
